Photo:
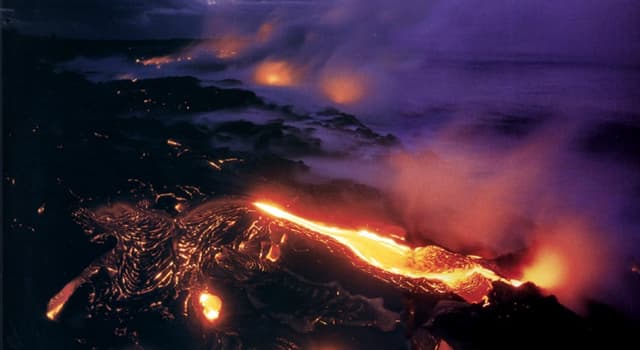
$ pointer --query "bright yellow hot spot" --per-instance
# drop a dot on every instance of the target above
(211, 305)
(459, 273)
(52, 313)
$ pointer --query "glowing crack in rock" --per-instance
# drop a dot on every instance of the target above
(462, 275)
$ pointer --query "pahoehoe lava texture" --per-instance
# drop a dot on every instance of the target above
(161, 263)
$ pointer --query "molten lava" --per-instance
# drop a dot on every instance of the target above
(460, 274)
(343, 88)
(211, 305)
(156, 61)
(275, 73)
(59, 300)
(159, 61)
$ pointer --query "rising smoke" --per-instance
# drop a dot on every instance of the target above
(491, 101)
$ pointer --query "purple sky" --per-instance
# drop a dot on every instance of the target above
(591, 30)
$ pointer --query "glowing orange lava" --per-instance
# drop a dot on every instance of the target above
(159, 61)
(211, 305)
(548, 269)
(343, 88)
(56, 304)
(275, 73)
(156, 61)
(457, 272)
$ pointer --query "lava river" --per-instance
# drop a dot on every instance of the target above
(442, 270)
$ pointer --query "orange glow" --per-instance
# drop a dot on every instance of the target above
(548, 269)
(159, 61)
(214, 165)
(264, 32)
(463, 276)
(173, 143)
(211, 305)
(229, 46)
(443, 345)
(156, 61)
(59, 300)
(343, 88)
(180, 207)
(125, 76)
(53, 312)
(569, 260)
(275, 73)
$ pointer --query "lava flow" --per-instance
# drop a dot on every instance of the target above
(461, 275)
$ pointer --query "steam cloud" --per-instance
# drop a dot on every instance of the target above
(491, 117)
(403, 59)
(564, 210)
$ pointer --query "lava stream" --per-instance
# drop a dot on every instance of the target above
(458, 272)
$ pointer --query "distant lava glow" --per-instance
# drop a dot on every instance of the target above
(343, 88)
(159, 61)
(460, 274)
(275, 73)
(156, 61)
(265, 31)
(211, 305)
(228, 47)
